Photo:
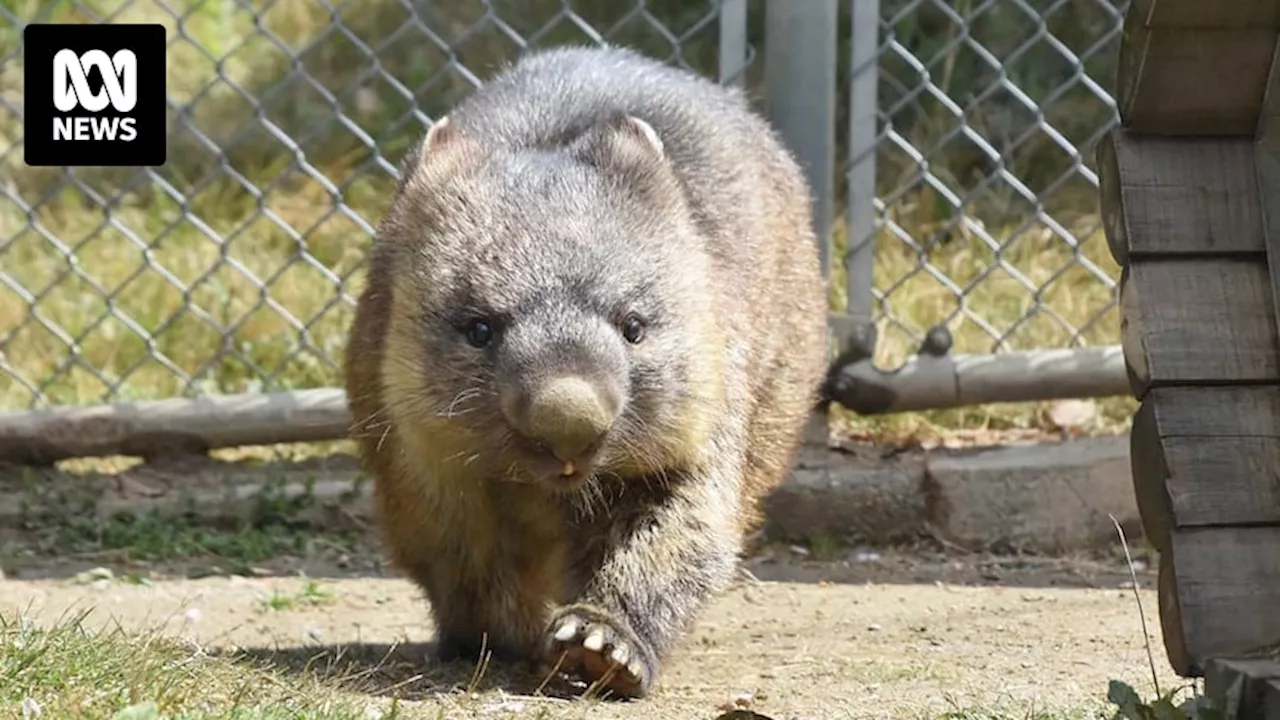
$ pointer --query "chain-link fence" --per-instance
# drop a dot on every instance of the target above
(986, 196)
(233, 268)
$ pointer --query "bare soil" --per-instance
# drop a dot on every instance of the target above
(907, 633)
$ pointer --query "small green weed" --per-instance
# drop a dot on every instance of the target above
(824, 547)
(1130, 705)
(278, 601)
(311, 594)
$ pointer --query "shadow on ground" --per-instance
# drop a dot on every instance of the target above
(408, 671)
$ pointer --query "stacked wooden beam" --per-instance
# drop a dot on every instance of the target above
(1191, 206)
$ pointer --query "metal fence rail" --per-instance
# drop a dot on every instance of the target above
(967, 198)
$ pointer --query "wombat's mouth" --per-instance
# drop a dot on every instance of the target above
(544, 468)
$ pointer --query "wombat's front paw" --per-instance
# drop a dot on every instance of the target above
(595, 646)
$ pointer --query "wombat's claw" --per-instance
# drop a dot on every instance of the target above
(593, 648)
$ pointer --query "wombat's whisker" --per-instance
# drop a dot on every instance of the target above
(461, 397)
(585, 499)
(363, 423)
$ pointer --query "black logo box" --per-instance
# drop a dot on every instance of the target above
(40, 42)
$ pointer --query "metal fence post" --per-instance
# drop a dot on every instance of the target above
(856, 331)
(732, 43)
(800, 95)
(800, 53)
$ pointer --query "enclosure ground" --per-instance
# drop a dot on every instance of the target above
(249, 609)
(885, 633)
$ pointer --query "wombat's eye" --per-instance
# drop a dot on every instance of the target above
(479, 333)
(633, 328)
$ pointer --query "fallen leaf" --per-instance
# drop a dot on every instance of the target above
(1072, 414)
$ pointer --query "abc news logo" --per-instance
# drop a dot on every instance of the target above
(71, 90)
(94, 95)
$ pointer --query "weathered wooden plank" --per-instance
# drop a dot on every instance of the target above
(1178, 195)
(1197, 321)
(1150, 474)
(1228, 589)
(1176, 78)
(1202, 14)
(1206, 456)
(1257, 694)
(1171, 624)
(1131, 340)
(1267, 168)
(1268, 131)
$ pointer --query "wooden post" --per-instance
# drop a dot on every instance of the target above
(1190, 189)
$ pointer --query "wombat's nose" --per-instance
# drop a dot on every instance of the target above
(568, 415)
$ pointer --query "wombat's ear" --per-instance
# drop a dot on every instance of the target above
(633, 128)
(624, 141)
(440, 135)
(630, 150)
(441, 151)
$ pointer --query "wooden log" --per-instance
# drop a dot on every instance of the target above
(1179, 76)
(1268, 132)
(1131, 342)
(1201, 14)
(1244, 687)
(173, 425)
(1150, 473)
(1267, 166)
(1198, 321)
(1178, 195)
(1227, 583)
(1175, 644)
(1206, 456)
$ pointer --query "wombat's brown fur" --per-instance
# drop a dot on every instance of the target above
(593, 331)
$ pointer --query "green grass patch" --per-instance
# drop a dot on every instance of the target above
(158, 538)
(60, 517)
(69, 527)
(68, 669)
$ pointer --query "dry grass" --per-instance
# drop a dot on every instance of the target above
(196, 282)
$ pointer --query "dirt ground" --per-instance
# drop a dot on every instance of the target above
(866, 634)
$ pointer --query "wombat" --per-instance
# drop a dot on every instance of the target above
(594, 328)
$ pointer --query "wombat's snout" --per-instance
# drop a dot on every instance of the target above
(567, 415)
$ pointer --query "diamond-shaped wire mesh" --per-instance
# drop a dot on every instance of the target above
(986, 206)
(234, 267)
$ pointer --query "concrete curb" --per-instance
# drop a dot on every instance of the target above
(1046, 498)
